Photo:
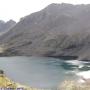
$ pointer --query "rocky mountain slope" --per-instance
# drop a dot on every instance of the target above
(58, 30)
(5, 26)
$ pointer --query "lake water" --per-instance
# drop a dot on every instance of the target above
(41, 72)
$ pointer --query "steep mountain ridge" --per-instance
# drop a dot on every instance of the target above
(5, 26)
(57, 30)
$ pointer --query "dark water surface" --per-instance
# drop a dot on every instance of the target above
(41, 72)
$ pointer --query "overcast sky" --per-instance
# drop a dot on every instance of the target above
(15, 9)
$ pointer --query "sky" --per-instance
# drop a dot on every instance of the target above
(15, 9)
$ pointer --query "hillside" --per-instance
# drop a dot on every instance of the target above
(5, 26)
(58, 30)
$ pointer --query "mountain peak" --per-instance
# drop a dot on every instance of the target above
(58, 30)
(11, 21)
(58, 5)
(4, 26)
(2, 22)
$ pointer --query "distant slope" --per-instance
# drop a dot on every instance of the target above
(57, 30)
(4, 26)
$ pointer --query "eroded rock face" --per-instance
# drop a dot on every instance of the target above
(57, 30)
